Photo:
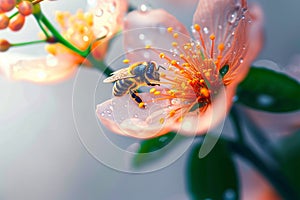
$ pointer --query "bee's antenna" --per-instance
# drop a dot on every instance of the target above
(159, 66)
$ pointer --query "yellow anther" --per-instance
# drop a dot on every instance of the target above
(170, 29)
(212, 37)
(221, 46)
(147, 46)
(142, 105)
(183, 85)
(182, 71)
(186, 64)
(161, 120)
(171, 92)
(202, 81)
(181, 55)
(157, 93)
(174, 44)
(174, 62)
(126, 61)
(197, 27)
(204, 92)
(162, 74)
(175, 35)
(172, 113)
(161, 55)
(152, 90)
(180, 119)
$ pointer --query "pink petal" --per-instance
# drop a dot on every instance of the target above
(150, 28)
(200, 124)
(235, 25)
(123, 116)
(108, 16)
(40, 70)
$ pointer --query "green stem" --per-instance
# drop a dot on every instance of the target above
(273, 174)
(28, 43)
(10, 17)
(41, 26)
(60, 38)
(101, 66)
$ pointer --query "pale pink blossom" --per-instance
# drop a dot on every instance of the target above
(103, 19)
(196, 90)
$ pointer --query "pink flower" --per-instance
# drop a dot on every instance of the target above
(104, 18)
(197, 86)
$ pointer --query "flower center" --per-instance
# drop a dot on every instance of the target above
(191, 79)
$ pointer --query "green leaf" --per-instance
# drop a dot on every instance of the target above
(287, 151)
(214, 176)
(153, 145)
(267, 90)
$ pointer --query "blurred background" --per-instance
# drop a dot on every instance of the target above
(41, 154)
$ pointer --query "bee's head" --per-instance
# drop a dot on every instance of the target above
(151, 72)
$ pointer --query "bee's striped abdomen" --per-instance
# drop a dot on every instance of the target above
(122, 86)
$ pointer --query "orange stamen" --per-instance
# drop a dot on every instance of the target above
(212, 37)
(198, 29)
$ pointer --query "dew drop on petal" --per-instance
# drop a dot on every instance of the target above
(265, 100)
(144, 8)
(112, 7)
(141, 36)
(220, 27)
(241, 60)
(233, 15)
(99, 12)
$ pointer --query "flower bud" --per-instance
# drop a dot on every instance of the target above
(4, 21)
(17, 22)
(4, 45)
(25, 8)
(7, 5)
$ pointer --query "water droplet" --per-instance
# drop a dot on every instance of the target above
(241, 60)
(111, 108)
(232, 33)
(220, 27)
(102, 31)
(85, 38)
(205, 30)
(99, 12)
(112, 7)
(228, 44)
(144, 8)
(102, 114)
(135, 116)
(141, 36)
(265, 100)
(193, 29)
(108, 111)
(229, 194)
(162, 139)
(232, 16)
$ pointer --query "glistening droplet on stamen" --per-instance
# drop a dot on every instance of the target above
(205, 30)
(141, 36)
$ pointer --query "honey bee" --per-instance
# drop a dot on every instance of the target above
(128, 80)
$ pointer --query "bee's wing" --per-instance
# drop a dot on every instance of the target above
(117, 75)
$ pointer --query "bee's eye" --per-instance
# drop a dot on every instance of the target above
(224, 70)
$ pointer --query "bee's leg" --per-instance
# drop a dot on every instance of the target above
(135, 97)
(151, 84)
